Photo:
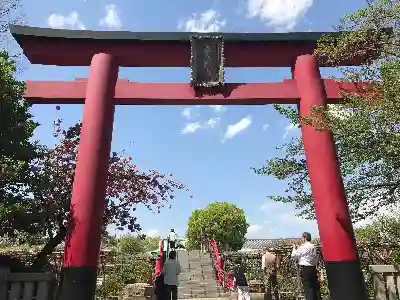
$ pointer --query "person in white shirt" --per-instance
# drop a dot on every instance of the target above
(269, 266)
(171, 271)
(307, 257)
(172, 237)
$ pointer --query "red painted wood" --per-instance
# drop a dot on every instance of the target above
(91, 172)
(323, 166)
(160, 259)
(135, 93)
(79, 52)
(331, 207)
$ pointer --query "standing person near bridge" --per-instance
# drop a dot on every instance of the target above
(172, 237)
(240, 281)
(171, 271)
(269, 267)
(306, 256)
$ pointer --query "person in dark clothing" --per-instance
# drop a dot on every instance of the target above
(240, 280)
(160, 288)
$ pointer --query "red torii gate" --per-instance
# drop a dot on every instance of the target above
(104, 52)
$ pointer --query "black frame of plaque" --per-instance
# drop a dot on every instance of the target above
(207, 71)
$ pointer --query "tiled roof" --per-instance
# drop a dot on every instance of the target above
(261, 243)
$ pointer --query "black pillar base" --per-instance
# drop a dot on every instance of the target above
(346, 280)
(77, 283)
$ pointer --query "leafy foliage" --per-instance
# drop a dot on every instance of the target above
(130, 244)
(37, 180)
(151, 243)
(127, 187)
(383, 230)
(365, 126)
(223, 221)
(11, 12)
(126, 269)
(128, 264)
(383, 234)
(16, 150)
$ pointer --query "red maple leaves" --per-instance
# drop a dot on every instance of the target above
(127, 187)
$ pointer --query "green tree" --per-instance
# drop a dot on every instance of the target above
(125, 268)
(16, 150)
(36, 181)
(131, 244)
(223, 221)
(366, 126)
(150, 243)
(11, 12)
(385, 229)
(109, 241)
(47, 207)
(134, 244)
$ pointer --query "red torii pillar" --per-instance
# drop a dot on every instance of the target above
(82, 247)
(102, 92)
(339, 248)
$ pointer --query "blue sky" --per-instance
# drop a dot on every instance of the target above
(209, 149)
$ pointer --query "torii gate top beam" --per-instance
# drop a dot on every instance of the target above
(162, 49)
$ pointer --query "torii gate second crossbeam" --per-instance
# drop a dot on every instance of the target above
(139, 93)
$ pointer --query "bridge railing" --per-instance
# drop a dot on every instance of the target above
(224, 278)
(160, 259)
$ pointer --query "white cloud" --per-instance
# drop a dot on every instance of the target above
(234, 129)
(293, 224)
(195, 126)
(253, 230)
(269, 205)
(191, 112)
(152, 233)
(191, 127)
(212, 122)
(111, 19)
(290, 218)
(187, 112)
(281, 221)
(265, 127)
(283, 14)
(218, 108)
(70, 21)
(208, 21)
(289, 130)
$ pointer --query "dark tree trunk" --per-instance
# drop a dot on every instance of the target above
(41, 258)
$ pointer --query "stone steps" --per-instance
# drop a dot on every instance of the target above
(197, 279)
